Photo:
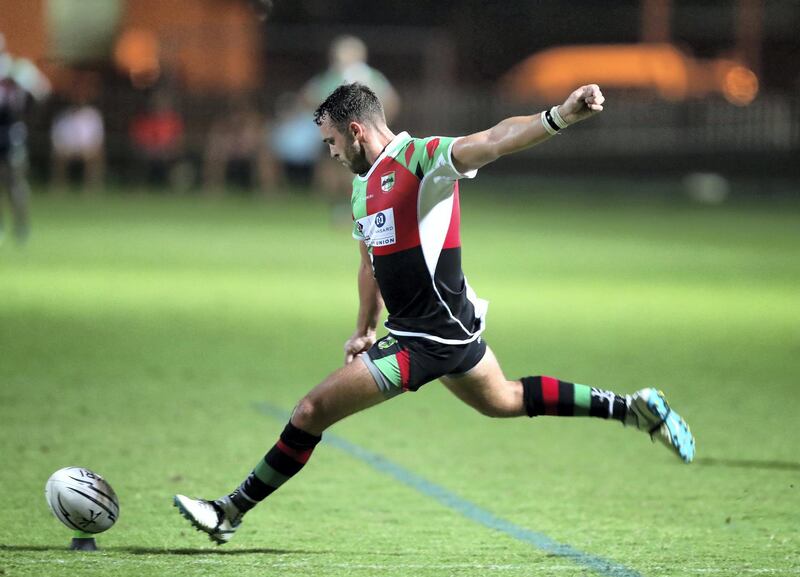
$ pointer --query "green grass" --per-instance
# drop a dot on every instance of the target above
(137, 333)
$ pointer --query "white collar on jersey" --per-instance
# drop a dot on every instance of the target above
(390, 150)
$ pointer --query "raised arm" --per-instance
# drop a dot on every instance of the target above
(370, 305)
(521, 132)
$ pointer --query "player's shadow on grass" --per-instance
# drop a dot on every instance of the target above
(748, 464)
(187, 551)
(159, 551)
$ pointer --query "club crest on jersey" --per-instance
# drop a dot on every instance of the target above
(387, 181)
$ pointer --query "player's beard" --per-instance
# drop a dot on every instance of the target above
(355, 157)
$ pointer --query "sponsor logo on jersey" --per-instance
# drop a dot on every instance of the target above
(387, 181)
(378, 229)
(386, 343)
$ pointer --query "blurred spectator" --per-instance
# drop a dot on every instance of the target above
(235, 151)
(347, 62)
(157, 135)
(20, 82)
(78, 138)
(294, 140)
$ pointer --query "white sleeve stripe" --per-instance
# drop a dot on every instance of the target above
(469, 173)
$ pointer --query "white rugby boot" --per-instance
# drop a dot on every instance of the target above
(208, 517)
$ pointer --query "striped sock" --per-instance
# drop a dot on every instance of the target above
(549, 396)
(283, 461)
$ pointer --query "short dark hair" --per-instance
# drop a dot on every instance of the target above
(348, 103)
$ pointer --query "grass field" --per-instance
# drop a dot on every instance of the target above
(138, 336)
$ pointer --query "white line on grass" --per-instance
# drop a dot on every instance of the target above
(466, 508)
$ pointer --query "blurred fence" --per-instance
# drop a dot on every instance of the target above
(634, 133)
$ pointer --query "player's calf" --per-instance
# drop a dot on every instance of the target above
(549, 396)
(646, 410)
(220, 518)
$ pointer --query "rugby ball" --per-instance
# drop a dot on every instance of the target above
(82, 500)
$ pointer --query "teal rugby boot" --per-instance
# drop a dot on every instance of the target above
(648, 411)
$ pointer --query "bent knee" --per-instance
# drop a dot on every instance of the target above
(307, 414)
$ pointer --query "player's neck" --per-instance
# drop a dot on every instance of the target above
(378, 143)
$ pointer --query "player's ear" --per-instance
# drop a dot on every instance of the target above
(356, 130)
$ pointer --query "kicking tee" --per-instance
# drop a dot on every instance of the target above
(406, 211)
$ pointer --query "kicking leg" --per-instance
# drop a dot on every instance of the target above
(486, 389)
(346, 391)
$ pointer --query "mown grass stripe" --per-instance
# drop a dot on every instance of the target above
(466, 508)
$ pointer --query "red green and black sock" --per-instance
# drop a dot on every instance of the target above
(283, 461)
(549, 396)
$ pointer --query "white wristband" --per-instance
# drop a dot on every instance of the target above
(552, 121)
(557, 117)
(552, 129)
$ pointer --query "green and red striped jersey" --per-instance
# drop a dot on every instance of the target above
(406, 210)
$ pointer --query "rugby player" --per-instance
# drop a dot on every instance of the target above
(406, 218)
(20, 83)
(13, 133)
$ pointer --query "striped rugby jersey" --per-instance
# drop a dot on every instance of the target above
(406, 210)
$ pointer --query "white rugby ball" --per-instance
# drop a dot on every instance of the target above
(82, 500)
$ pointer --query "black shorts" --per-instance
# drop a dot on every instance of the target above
(401, 364)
